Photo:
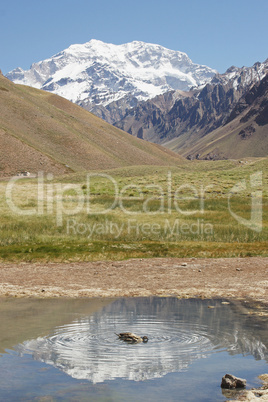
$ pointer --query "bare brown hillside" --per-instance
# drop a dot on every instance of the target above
(41, 131)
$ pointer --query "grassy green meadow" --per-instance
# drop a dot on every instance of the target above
(137, 212)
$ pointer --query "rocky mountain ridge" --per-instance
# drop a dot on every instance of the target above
(184, 118)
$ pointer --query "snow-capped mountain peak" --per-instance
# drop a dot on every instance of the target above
(98, 73)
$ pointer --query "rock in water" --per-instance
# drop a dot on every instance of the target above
(230, 381)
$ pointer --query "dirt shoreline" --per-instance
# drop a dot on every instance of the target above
(240, 278)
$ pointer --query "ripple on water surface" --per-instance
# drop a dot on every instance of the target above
(89, 349)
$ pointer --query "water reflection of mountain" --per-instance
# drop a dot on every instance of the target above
(179, 331)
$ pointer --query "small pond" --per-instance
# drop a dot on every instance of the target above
(67, 350)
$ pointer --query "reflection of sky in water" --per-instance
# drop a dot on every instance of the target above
(179, 332)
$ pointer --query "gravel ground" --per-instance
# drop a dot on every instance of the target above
(243, 278)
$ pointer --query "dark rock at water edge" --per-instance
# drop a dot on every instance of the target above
(229, 381)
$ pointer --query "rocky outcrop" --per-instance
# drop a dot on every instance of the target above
(154, 117)
(115, 111)
(247, 132)
(229, 381)
(254, 394)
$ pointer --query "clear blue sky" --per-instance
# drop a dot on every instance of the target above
(218, 33)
